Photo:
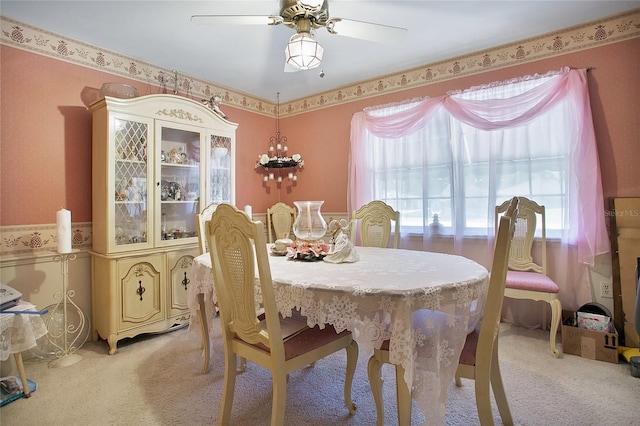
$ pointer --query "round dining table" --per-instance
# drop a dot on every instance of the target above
(376, 298)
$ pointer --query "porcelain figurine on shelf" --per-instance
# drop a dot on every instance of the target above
(214, 103)
(343, 250)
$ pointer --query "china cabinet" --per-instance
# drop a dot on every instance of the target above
(157, 161)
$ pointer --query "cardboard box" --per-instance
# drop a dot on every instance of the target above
(589, 343)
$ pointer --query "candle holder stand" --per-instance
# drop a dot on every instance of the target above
(71, 329)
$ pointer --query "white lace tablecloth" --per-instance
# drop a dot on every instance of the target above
(375, 298)
(19, 332)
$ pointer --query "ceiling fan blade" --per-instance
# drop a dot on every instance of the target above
(378, 33)
(236, 19)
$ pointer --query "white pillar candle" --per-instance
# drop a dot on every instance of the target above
(63, 222)
(270, 176)
(248, 210)
(290, 175)
(279, 178)
(266, 178)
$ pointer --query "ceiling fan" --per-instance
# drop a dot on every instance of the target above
(303, 51)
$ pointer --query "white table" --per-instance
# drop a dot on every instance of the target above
(19, 332)
(375, 298)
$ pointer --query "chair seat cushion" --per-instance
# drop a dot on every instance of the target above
(308, 340)
(468, 355)
(531, 281)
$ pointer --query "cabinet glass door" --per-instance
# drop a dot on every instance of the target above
(130, 178)
(179, 182)
(220, 170)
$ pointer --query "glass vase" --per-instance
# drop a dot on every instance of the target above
(309, 224)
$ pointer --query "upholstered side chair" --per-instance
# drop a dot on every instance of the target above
(280, 218)
(201, 219)
(237, 247)
(479, 357)
(526, 278)
(373, 223)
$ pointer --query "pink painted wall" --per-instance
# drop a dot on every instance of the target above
(45, 161)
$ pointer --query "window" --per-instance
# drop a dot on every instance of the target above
(452, 173)
(452, 159)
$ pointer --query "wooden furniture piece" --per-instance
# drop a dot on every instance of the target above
(373, 223)
(624, 221)
(430, 322)
(156, 160)
(479, 358)
(236, 244)
(375, 298)
(201, 219)
(280, 218)
(526, 278)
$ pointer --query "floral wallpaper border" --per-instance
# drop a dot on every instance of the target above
(24, 240)
(585, 36)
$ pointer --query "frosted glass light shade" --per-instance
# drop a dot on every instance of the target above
(303, 51)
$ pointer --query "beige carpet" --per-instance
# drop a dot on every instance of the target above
(157, 380)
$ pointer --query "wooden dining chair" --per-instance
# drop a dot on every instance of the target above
(201, 218)
(526, 278)
(373, 223)
(479, 358)
(280, 218)
(237, 247)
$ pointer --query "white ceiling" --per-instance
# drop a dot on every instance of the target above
(250, 59)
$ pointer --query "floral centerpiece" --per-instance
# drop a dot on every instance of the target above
(276, 162)
(308, 250)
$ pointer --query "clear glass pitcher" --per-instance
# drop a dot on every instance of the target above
(309, 224)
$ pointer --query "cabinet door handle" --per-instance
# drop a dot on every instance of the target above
(185, 281)
(140, 289)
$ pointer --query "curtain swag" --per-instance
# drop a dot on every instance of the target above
(586, 205)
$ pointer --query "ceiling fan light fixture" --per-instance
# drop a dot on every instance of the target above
(311, 4)
(303, 51)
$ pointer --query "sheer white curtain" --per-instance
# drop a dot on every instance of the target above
(458, 156)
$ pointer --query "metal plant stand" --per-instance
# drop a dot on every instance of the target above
(66, 339)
